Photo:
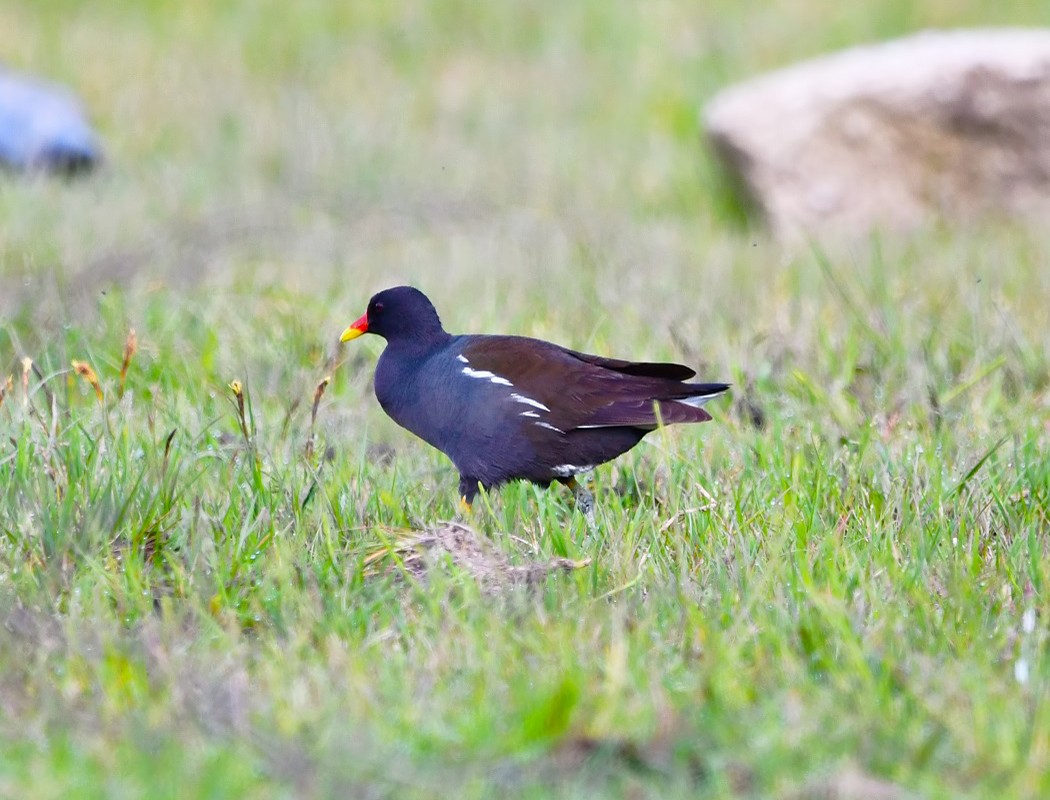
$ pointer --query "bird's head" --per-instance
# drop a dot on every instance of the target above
(400, 314)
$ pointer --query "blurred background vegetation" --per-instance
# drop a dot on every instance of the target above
(312, 142)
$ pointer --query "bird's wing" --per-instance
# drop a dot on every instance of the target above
(571, 390)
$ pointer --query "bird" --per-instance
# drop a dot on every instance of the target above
(506, 408)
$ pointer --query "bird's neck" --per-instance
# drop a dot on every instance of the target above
(418, 346)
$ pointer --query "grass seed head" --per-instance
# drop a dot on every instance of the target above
(318, 394)
(131, 346)
(238, 392)
(84, 370)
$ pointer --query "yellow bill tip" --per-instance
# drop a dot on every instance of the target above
(350, 333)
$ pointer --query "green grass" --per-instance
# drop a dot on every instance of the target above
(833, 575)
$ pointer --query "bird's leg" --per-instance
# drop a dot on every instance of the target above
(584, 502)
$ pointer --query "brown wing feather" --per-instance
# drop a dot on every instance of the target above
(643, 369)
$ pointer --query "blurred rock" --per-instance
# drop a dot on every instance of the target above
(42, 127)
(940, 124)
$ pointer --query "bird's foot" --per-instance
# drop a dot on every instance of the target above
(468, 492)
(465, 510)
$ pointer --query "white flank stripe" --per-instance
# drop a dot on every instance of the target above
(548, 426)
(484, 374)
(462, 358)
(529, 414)
(529, 401)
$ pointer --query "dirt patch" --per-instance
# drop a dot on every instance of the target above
(850, 783)
(417, 553)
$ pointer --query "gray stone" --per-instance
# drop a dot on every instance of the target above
(42, 127)
(952, 125)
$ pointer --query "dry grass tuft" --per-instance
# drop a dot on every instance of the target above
(419, 552)
(850, 783)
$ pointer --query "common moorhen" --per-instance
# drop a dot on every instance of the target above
(509, 407)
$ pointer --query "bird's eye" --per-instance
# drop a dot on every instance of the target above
(377, 307)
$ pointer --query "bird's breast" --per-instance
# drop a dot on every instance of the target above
(469, 416)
